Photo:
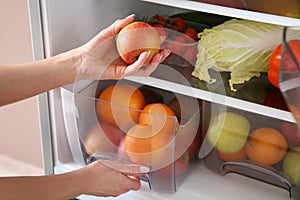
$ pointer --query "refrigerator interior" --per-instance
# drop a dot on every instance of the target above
(67, 24)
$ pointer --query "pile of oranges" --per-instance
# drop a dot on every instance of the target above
(265, 145)
(149, 127)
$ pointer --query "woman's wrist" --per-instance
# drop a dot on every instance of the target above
(68, 64)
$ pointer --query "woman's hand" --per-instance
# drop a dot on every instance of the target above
(100, 58)
(109, 178)
(97, 59)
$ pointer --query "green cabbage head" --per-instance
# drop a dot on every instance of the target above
(241, 47)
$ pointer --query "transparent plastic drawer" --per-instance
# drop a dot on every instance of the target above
(153, 128)
(256, 146)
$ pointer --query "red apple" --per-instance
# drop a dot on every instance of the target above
(135, 38)
(102, 137)
(291, 132)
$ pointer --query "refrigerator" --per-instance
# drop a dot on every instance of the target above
(66, 113)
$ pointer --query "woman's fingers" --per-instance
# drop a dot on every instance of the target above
(115, 28)
(139, 68)
(122, 23)
(127, 169)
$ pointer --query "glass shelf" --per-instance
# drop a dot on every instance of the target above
(190, 89)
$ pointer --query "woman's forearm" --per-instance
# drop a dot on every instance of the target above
(94, 179)
(42, 187)
(18, 82)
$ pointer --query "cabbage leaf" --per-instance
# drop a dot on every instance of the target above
(241, 47)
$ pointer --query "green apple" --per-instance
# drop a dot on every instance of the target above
(228, 132)
(291, 165)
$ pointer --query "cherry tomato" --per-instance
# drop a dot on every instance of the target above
(288, 63)
(157, 19)
(177, 24)
(191, 33)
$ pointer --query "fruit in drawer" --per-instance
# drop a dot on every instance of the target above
(291, 165)
(266, 146)
(228, 132)
(181, 165)
(188, 135)
(148, 146)
(159, 116)
(239, 155)
(120, 105)
(122, 154)
(136, 38)
(102, 137)
(291, 132)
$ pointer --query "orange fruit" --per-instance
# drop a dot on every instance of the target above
(160, 116)
(148, 147)
(239, 155)
(266, 146)
(120, 105)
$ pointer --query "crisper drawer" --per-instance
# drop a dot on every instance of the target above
(134, 124)
(256, 146)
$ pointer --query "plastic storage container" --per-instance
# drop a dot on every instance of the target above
(256, 146)
(102, 130)
(290, 70)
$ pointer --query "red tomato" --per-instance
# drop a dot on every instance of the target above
(191, 33)
(157, 19)
(177, 24)
(275, 60)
